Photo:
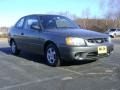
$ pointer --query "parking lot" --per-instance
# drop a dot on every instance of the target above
(29, 72)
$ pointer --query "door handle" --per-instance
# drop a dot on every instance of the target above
(22, 33)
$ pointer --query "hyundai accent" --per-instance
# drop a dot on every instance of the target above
(57, 38)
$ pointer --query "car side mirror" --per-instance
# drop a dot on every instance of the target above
(35, 26)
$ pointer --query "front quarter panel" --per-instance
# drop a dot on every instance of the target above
(55, 38)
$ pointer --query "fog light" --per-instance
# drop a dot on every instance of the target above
(78, 56)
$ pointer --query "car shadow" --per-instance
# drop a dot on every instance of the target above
(25, 55)
(32, 57)
(76, 62)
(5, 50)
(40, 59)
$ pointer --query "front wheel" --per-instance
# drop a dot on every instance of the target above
(52, 55)
(14, 49)
(114, 36)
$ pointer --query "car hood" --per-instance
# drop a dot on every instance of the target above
(82, 33)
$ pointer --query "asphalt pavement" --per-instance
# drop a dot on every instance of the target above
(29, 72)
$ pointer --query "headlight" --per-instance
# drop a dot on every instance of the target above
(75, 41)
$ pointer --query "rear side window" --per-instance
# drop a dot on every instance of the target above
(20, 23)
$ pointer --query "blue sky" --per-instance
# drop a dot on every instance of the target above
(12, 10)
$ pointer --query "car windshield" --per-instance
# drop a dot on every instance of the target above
(112, 30)
(52, 22)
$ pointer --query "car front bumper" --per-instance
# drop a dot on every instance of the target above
(83, 53)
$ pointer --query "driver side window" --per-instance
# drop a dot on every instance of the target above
(29, 21)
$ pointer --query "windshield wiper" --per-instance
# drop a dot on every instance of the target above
(66, 27)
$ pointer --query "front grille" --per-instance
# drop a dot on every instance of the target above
(92, 54)
(97, 40)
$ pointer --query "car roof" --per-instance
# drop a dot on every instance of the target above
(42, 15)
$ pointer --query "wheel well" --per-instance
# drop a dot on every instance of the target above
(47, 43)
(11, 41)
(50, 42)
(111, 36)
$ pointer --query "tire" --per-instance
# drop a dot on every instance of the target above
(111, 36)
(114, 36)
(52, 55)
(14, 49)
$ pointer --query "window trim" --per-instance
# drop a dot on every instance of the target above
(22, 23)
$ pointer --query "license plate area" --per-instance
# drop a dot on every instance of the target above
(102, 49)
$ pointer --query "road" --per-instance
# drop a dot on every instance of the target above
(29, 72)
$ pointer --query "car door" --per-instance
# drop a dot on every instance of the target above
(32, 37)
(17, 33)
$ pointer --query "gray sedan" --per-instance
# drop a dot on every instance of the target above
(57, 38)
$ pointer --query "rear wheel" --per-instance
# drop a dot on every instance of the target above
(14, 49)
(52, 55)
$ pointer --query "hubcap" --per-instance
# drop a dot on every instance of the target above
(13, 47)
(51, 55)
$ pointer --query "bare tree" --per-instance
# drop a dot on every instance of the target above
(112, 11)
(112, 8)
(86, 14)
(67, 14)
